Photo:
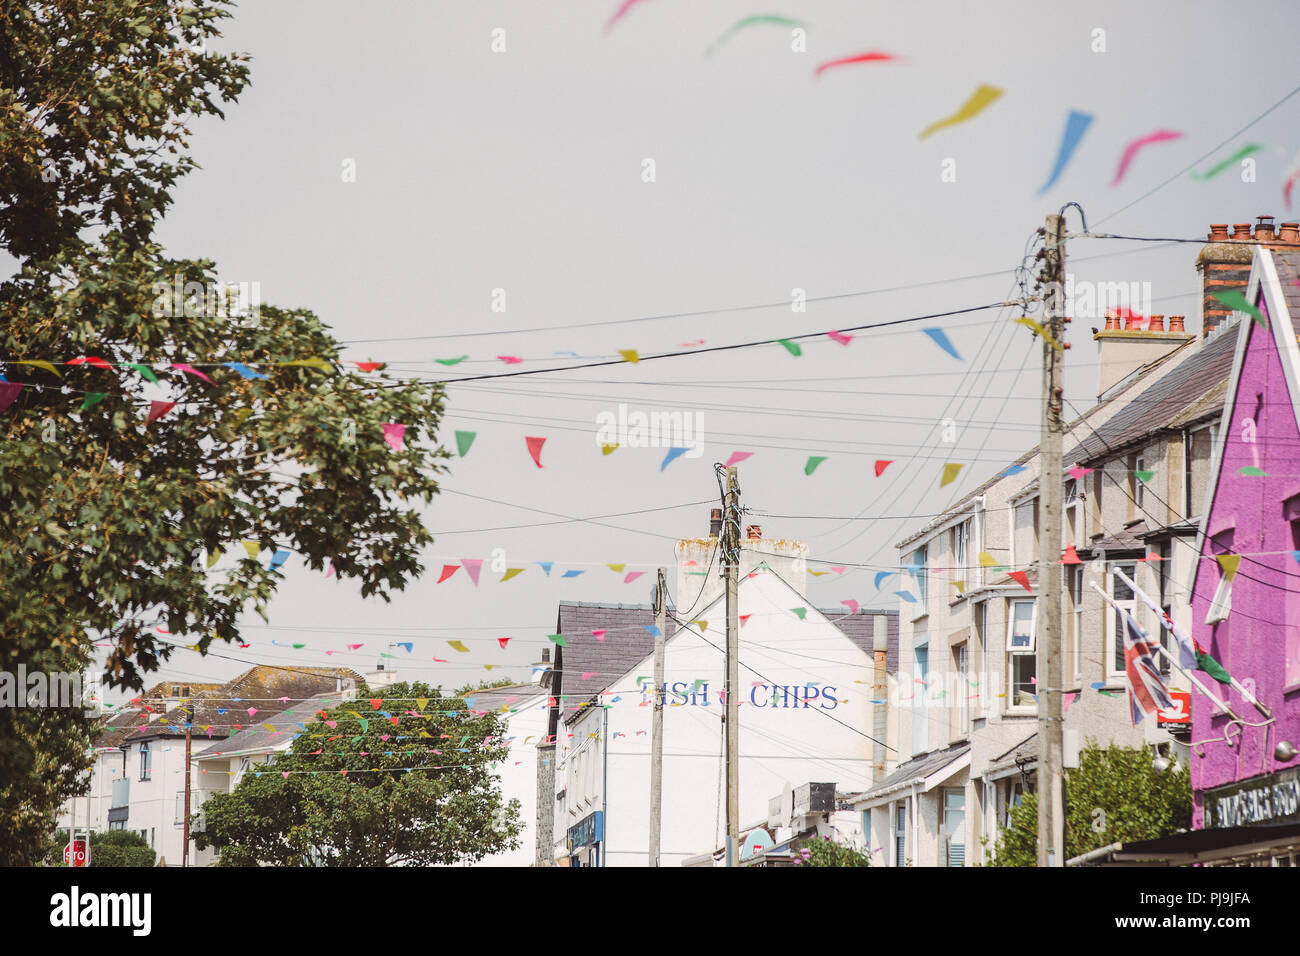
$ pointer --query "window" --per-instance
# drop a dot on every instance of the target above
(1167, 606)
(1020, 629)
(900, 834)
(117, 824)
(180, 807)
(866, 829)
(954, 827)
(1076, 620)
(1071, 511)
(1139, 464)
(144, 761)
(960, 547)
(1022, 659)
(920, 717)
(961, 653)
(1015, 792)
(976, 686)
(153, 837)
(921, 576)
(1122, 595)
(1097, 482)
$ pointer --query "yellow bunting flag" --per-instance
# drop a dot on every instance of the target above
(421, 703)
(607, 450)
(704, 625)
(818, 574)
(616, 568)
(214, 557)
(629, 355)
(950, 471)
(317, 363)
(39, 363)
(458, 646)
(986, 560)
(252, 547)
(1229, 563)
(960, 585)
(1029, 323)
(511, 572)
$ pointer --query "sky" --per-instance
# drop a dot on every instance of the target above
(523, 170)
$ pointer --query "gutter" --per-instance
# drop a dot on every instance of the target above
(1094, 854)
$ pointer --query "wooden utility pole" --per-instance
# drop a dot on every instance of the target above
(1051, 803)
(731, 569)
(657, 720)
(189, 723)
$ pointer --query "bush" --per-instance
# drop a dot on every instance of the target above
(824, 851)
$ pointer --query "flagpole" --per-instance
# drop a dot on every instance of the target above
(1240, 689)
(1223, 708)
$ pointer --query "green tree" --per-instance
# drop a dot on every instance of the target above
(1136, 802)
(345, 796)
(111, 848)
(107, 526)
(823, 851)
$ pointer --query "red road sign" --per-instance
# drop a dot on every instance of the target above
(76, 853)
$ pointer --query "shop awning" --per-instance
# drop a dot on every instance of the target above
(1196, 846)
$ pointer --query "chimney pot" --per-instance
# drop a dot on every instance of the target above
(1241, 230)
(1176, 323)
(1133, 322)
(1218, 231)
(1111, 323)
(1289, 232)
(1264, 228)
(1156, 323)
(753, 532)
(715, 523)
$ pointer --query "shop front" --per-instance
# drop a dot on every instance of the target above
(585, 839)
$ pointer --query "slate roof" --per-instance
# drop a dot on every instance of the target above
(627, 642)
(284, 725)
(1287, 262)
(1026, 751)
(260, 686)
(918, 768)
(1131, 538)
(1161, 403)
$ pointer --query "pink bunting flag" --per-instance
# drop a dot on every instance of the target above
(535, 448)
(395, 435)
(8, 393)
(193, 371)
(1076, 472)
(1132, 149)
(737, 457)
(839, 570)
(632, 576)
(355, 647)
(623, 8)
(510, 359)
(329, 572)
(840, 337)
(472, 567)
(1068, 700)
(598, 635)
(852, 605)
(588, 675)
(157, 410)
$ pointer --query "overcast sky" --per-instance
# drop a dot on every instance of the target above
(522, 170)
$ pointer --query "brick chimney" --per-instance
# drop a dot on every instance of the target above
(1224, 264)
(699, 561)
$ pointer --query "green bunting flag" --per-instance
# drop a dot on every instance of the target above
(791, 347)
(463, 442)
(1234, 300)
(1145, 476)
(93, 398)
(802, 612)
(144, 370)
(813, 461)
(1204, 662)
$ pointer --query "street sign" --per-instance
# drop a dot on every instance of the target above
(76, 853)
(1178, 715)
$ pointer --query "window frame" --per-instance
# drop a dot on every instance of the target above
(1114, 627)
(146, 762)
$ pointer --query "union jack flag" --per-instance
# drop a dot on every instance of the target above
(1146, 688)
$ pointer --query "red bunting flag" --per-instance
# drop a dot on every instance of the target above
(447, 571)
(881, 466)
(535, 448)
(92, 360)
(503, 641)
(157, 410)
(1021, 578)
(370, 366)
(8, 393)
(1071, 556)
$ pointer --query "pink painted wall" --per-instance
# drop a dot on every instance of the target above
(1259, 644)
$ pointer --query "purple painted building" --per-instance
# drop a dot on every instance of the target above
(1245, 585)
